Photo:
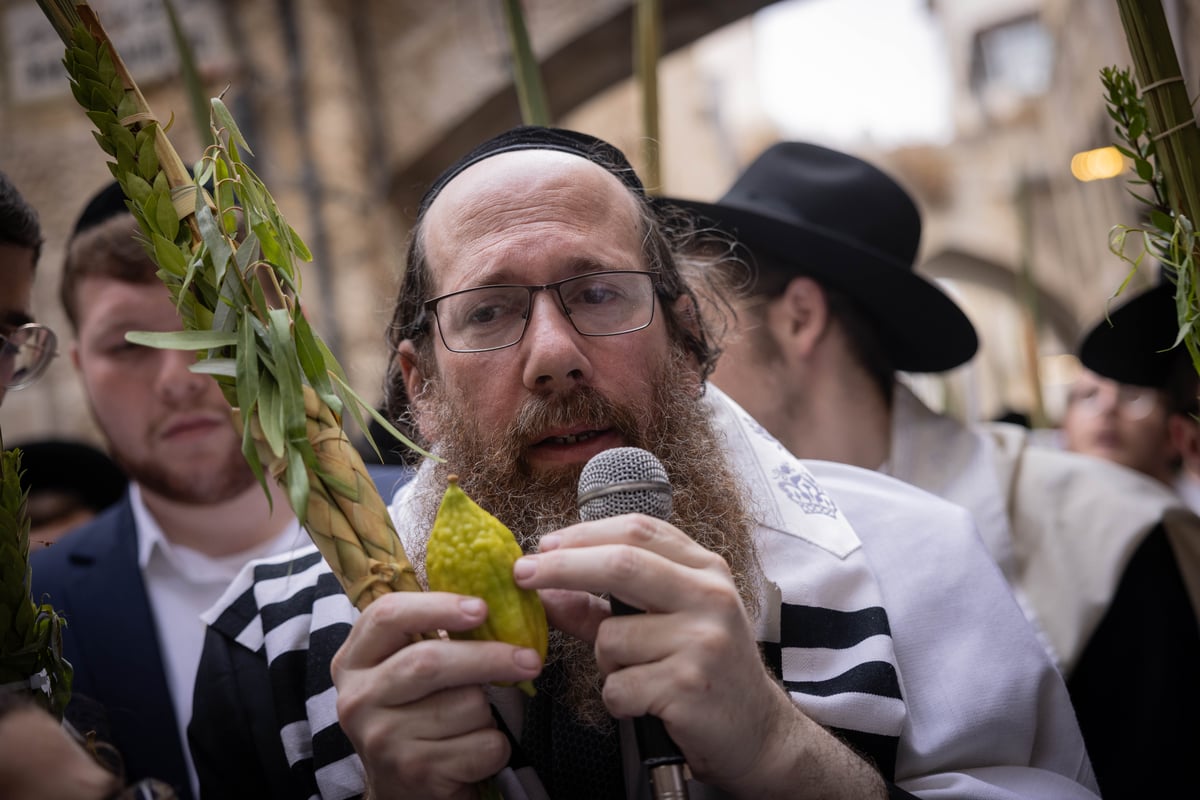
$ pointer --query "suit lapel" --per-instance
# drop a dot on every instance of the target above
(118, 647)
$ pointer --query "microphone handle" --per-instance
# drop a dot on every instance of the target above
(659, 754)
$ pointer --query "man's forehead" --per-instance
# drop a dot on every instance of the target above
(496, 205)
(519, 172)
(16, 285)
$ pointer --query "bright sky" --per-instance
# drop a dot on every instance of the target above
(851, 71)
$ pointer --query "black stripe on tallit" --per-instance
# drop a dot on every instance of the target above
(810, 626)
(869, 677)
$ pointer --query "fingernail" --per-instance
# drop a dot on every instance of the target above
(524, 568)
(549, 542)
(472, 606)
(525, 658)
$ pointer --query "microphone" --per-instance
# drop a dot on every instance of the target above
(628, 480)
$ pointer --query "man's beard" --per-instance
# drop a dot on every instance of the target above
(708, 500)
(178, 483)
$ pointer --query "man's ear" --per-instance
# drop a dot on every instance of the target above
(1184, 432)
(75, 355)
(411, 372)
(800, 317)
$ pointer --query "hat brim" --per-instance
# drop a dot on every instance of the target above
(920, 328)
(1134, 344)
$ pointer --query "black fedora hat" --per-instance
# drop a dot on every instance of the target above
(1134, 343)
(806, 210)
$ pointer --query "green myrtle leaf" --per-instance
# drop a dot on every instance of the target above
(147, 156)
(169, 257)
(137, 188)
(166, 220)
(1162, 221)
(122, 138)
(104, 143)
(125, 162)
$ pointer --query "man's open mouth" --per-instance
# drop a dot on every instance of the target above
(572, 438)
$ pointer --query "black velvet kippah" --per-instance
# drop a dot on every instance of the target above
(105, 204)
(533, 137)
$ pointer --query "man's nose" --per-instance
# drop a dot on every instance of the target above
(554, 358)
(175, 381)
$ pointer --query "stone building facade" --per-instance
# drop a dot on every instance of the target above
(352, 106)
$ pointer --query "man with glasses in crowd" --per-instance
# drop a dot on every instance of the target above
(1121, 422)
(811, 630)
(1134, 402)
(26, 348)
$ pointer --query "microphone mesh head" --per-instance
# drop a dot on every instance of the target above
(624, 480)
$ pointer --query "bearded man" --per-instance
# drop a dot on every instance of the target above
(841, 637)
(133, 581)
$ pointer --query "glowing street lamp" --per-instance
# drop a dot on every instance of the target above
(1098, 164)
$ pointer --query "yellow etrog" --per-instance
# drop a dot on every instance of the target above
(471, 552)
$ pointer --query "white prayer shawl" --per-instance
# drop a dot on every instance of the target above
(1061, 526)
(949, 679)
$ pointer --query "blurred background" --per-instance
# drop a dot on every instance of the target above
(352, 106)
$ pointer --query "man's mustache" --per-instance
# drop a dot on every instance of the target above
(583, 406)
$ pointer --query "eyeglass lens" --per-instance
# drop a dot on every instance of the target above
(597, 304)
(1135, 401)
(24, 354)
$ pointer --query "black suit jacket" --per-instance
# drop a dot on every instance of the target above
(91, 577)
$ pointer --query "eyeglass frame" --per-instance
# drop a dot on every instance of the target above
(429, 307)
(1136, 402)
(50, 351)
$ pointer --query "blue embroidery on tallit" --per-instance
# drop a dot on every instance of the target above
(803, 490)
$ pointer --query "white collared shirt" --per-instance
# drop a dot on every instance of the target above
(181, 583)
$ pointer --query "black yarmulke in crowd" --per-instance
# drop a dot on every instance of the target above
(533, 137)
(104, 205)
(74, 468)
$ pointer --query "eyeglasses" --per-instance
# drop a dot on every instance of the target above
(1136, 402)
(24, 354)
(494, 317)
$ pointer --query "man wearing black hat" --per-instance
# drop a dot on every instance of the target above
(1134, 346)
(833, 310)
(133, 581)
(803, 637)
(1130, 358)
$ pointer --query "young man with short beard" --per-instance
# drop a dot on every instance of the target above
(133, 581)
(811, 630)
